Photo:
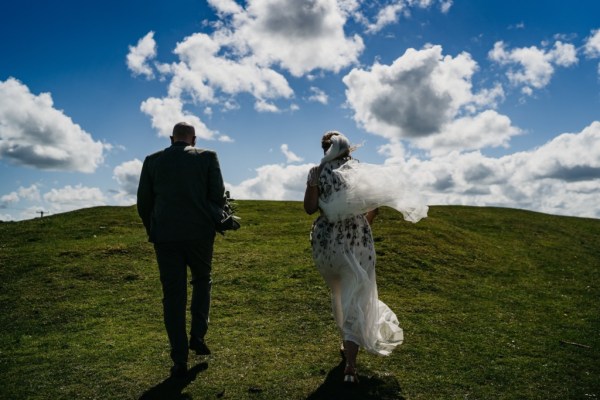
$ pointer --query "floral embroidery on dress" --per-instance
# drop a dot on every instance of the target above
(349, 233)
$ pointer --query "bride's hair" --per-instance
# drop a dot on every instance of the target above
(326, 139)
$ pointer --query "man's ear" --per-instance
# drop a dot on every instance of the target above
(194, 141)
(172, 140)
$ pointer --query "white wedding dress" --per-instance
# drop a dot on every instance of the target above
(343, 250)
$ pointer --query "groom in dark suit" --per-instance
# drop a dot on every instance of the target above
(179, 186)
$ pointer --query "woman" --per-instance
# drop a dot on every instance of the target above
(344, 254)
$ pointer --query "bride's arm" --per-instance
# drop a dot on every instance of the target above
(371, 215)
(311, 195)
(311, 199)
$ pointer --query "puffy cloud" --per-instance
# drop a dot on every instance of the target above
(265, 106)
(140, 54)
(238, 56)
(301, 36)
(445, 6)
(560, 177)
(127, 175)
(569, 157)
(36, 134)
(534, 67)
(387, 15)
(226, 6)
(592, 45)
(17, 200)
(273, 182)
(318, 95)
(71, 198)
(289, 155)
(12, 197)
(203, 70)
(27, 202)
(423, 96)
(486, 129)
(166, 112)
(391, 12)
(31, 193)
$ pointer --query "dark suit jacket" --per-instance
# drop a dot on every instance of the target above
(178, 191)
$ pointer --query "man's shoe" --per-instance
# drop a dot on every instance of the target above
(199, 346)
(178, 370)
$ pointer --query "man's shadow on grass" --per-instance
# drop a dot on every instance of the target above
(172, 388)
(369, 387)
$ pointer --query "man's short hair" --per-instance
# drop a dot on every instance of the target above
(183, 129)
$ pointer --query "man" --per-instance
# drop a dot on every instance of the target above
(179, 186)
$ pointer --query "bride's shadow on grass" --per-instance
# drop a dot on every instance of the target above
(370, 387)
(172, 388)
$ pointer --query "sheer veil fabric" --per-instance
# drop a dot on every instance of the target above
(368, 186)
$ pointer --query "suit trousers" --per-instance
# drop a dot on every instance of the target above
(173, 260)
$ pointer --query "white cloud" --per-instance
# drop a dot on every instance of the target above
(560, 177)
(318, 95)
(238, 57)
(166, 112)
(21, 200)
(533, 67)
(140, 54)
(226, 6)
(273, 182)
(486, 129)
(127, 175)
(569, 157)
(445, 5)
(12, 197)
(265, 106)
(426, 97)
(391, 12)
(206, 69)
(225, 139)
(36, 134)
(592, 45)
(386, 16)
(71, 198)
(289, 155)
(31, 193)
(300, 36)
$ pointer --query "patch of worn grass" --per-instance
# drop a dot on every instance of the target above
(495, 303)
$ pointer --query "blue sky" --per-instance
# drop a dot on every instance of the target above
(488, 103)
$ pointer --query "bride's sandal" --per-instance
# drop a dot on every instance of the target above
(350, 375)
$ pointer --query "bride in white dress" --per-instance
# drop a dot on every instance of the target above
(343, 191)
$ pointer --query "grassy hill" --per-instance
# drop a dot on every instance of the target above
(495, 304)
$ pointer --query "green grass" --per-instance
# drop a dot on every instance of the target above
(495, 304)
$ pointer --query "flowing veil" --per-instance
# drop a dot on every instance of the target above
(368, 186)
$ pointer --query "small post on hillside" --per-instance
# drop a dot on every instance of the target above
(41, 214)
